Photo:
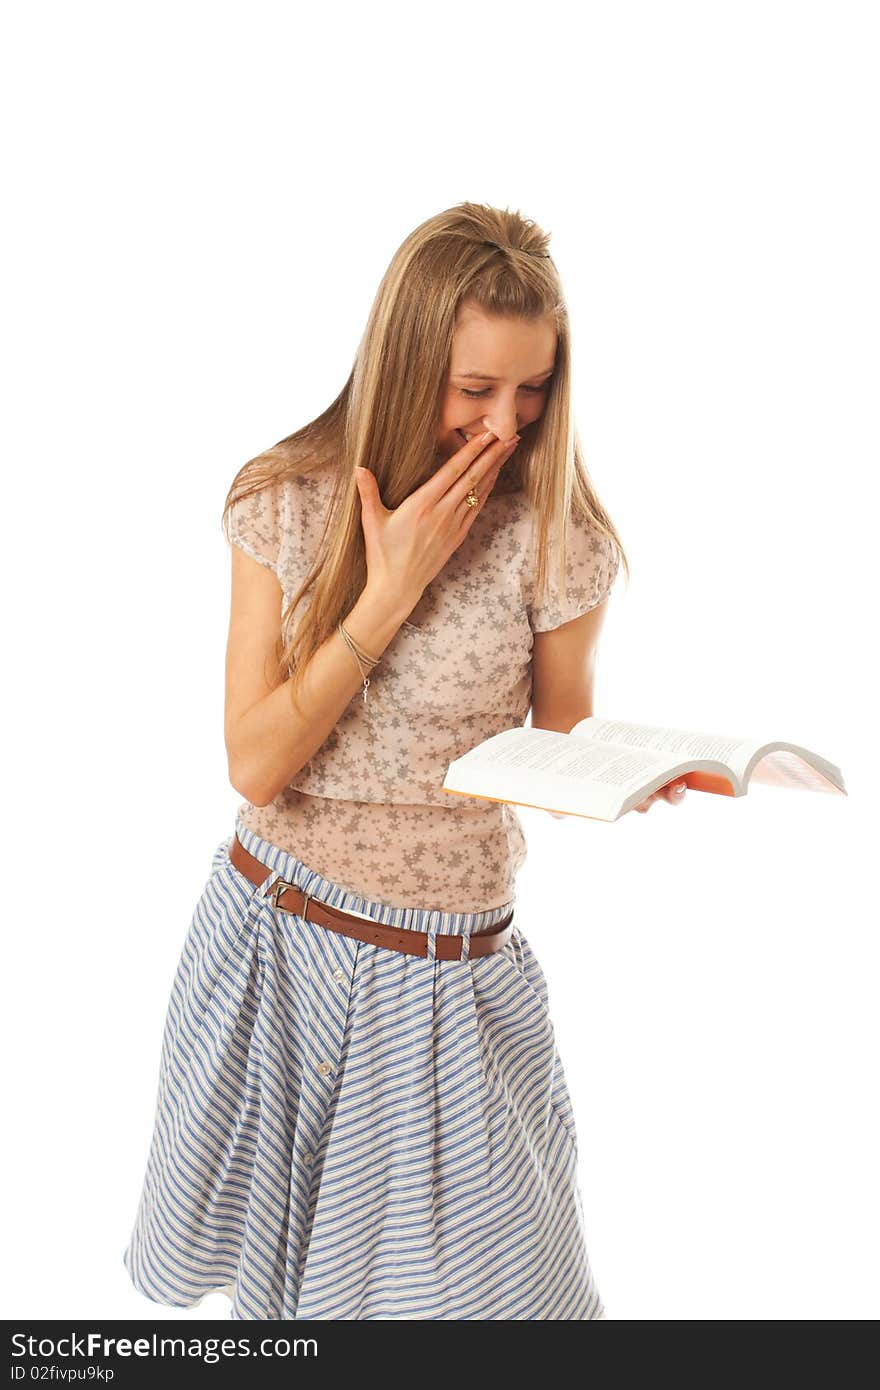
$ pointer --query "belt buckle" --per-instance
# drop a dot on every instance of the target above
(279, 886)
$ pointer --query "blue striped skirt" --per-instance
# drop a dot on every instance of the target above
(345, 1131)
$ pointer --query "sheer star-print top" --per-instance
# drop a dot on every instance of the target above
(367, 811)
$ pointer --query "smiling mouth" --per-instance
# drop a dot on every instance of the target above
(465, 439)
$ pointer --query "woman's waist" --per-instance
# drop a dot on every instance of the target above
(464, 857)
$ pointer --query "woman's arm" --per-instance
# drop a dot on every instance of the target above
(563, 671)
(267, 741)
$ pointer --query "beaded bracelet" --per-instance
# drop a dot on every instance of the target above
(360, 656)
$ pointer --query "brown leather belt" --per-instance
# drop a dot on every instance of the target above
(413, 943)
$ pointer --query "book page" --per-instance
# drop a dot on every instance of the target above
(680, 744)
(544, 767)
(545, 750)
(784, 768)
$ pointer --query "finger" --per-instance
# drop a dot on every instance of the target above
(456, 465)
(649, 801)
(479, 479)
(467, 509)
(674, 792)
(466, 469)
(368, 489)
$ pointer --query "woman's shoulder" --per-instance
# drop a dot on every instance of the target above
(299, 497)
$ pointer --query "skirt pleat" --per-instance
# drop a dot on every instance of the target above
(345, 1131)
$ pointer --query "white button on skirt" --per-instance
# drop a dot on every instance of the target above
(345, 1131)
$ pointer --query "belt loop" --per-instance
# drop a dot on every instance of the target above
(268, 882)
(465, 943)
(432, 935)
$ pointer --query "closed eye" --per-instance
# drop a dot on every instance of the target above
(485, 391)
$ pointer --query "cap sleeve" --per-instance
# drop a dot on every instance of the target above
(591, 569)
(255, 525)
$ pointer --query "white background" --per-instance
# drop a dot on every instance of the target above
(201, 203)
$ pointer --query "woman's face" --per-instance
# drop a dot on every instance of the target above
(517, 354)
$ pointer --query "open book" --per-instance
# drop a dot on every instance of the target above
(604, 768)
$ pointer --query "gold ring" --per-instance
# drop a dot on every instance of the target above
(472, 499)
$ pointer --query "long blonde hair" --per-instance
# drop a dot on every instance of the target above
(386, 415)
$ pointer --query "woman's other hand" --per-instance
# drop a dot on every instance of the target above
(673, 792)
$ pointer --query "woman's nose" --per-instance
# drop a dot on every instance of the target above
(505, 426)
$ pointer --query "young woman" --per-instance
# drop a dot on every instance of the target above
(361, 1109)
